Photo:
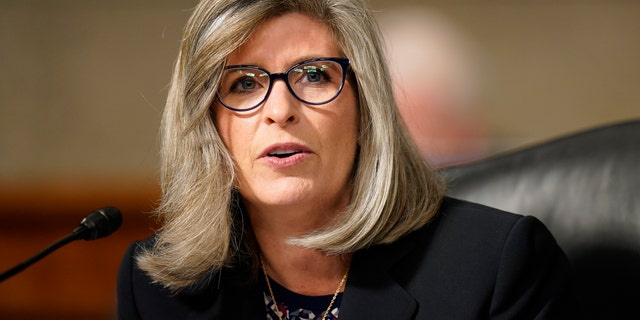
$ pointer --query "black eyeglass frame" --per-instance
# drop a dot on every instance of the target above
(284, 76)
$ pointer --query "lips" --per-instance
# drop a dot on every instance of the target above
(285, 154)
(284, 150)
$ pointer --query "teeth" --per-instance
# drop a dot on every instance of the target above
(283, 153)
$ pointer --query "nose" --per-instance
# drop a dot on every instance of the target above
(281, 107)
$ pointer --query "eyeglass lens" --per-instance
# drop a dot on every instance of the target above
(315, 82)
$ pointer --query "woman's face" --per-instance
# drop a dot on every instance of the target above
(289, 153)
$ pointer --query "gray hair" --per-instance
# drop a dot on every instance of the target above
(393, 190)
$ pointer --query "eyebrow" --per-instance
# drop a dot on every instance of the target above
(298, 60)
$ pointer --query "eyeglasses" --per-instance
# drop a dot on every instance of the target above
(314, 82)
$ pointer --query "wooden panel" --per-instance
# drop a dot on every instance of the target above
(77, 281)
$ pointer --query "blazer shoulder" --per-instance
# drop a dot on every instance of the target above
(462, 209)
(480, 253)
(491, 223)
(139, 297)
(217, 296)
(457, 220)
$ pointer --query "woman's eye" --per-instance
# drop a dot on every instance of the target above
(245, 84)
(314, 76)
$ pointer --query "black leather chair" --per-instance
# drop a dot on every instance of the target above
(586, 188)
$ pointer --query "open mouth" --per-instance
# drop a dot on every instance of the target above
(283, 153)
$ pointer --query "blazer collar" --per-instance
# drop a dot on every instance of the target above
(372, 292)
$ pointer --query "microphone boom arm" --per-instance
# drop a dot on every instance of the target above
(69, 238)
(98, 224)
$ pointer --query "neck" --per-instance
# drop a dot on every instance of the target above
(306, 271)
(301, 270)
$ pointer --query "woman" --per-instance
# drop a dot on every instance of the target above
(291, 190)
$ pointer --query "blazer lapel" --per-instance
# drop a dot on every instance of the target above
(371, 291)
(252, 305)
(232, 298)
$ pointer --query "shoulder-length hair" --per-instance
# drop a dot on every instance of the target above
(394, 191)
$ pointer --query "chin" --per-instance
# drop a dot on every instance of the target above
(292, 191)
(280, 193)
(284, 199)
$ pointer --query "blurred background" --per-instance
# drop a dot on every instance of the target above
(83, 84)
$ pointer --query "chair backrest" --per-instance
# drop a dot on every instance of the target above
(586, 188)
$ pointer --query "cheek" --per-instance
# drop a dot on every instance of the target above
(350, 124)
(346, 129)
(237, 134)
(225, 125)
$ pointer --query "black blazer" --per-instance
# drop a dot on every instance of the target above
(470, 262)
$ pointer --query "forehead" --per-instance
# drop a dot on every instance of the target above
(286, 39)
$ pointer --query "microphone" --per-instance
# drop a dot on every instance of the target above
(98, 224)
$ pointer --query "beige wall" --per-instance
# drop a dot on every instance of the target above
(550, 67)
(82, 83)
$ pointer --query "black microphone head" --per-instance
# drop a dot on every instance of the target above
(99, 224)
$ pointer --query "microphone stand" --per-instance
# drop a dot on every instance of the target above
(100, 223)
(69, 238)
